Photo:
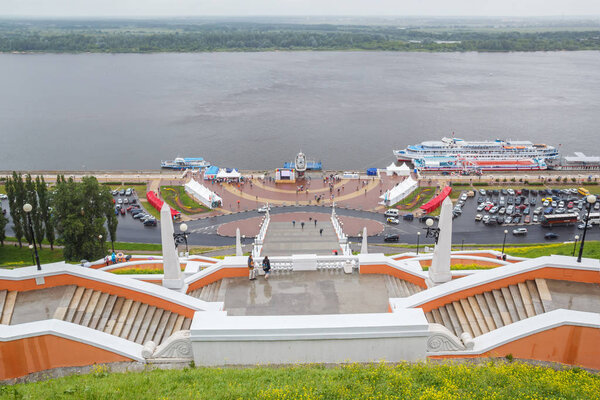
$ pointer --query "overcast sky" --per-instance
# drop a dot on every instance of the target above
(127, 8)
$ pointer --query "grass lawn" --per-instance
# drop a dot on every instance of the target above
(590, 250)
(2, 188)
(151, 210)
(494, 380)
(177, 198)
(14, 257)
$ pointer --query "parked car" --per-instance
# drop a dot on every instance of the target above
(481, 207)
(125, 200)
(535, 218)
(122, 211)
(480, 199)
(392, 220)
(115, 192)
(264, 209)
(122, 192)
(520, 231)
(485, 219)
(138, 215)
(494, 210)
(478, 217)
(510, 192)
(503, 191)
(502, 210)
(500, 220)
(489, 206)
(570, 205)
(516, 219)
(548, 210)
(510, 200)
(120, 201)
(546, 203)
(527, 219)
(482, 192)
(128, 192)
(508, 219)
(502, 201)
(463, 197)
(510, 209)
(150, 222)
(582, 225)
(390, 212)
(391, 238)
(408, 217)
(550, 235)
(526, 211)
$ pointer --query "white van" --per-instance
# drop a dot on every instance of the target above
(391, 212)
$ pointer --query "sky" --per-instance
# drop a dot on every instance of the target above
(166, 8)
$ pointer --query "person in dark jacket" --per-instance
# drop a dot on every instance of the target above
(266, 264)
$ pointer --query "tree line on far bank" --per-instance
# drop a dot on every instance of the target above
(76, 215)
(263, 37)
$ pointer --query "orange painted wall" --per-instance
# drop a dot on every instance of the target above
(545, 273)
(387, 270)
(573, 345)
(24, 356)
(218, 275)
(66, 279)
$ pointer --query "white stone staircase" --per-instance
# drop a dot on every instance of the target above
(400, 288)
(210, 292)
(7, 305)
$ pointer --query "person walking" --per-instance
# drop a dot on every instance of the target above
(266, 264)
(251, 271)
(321, 231)
(315, 222)
(302, 224)
(293, 224)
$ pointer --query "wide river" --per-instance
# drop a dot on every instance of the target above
(257, 110)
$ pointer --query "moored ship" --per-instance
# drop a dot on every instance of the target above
(465, 164)
(181, 163)
(498, 149)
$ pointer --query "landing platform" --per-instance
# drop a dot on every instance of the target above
(284, 238)
(305, 293)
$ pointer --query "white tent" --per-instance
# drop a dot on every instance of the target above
(402, 170)
(233, 174)
(399, 192)
(202, 194)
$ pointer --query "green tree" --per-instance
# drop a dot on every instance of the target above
(79, 215)
(14, 191)
(3, 222)
(31, 197)
(45, 214)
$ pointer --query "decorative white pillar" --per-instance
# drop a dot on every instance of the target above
(363, 247)
(439, 272)
(238, 243)
(172, 270)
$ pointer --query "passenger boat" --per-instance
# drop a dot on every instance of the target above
(498, 149)
(301, 164)
(181, 163)
(465, 164)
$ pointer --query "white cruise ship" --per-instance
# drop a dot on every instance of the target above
(490, 150)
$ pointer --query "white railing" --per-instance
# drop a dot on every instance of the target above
(258, 241)
(286, 264)
(339, 231)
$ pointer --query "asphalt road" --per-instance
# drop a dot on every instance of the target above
(203, 231)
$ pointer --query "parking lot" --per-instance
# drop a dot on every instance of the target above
(127, 205)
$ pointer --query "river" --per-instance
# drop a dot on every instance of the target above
(257, 110)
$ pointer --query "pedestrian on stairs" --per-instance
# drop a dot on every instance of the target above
(266, 264)
(251, 271)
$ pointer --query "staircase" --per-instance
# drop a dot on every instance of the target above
(397, 287)
(119, 316)
(494, 309)
(210, 292)
(7, 305)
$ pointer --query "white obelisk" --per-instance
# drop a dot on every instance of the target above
(364, 246)
(439, 272)
(172, 269)
(238, 243)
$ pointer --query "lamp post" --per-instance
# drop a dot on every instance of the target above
(32, 256)
(504, 242)
(432, 232)
(575, 245)
(591, 199)
(181, 237)
(27, 208)
(418, 237)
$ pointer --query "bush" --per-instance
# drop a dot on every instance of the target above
(480, 184)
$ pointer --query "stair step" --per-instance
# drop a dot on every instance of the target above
(160, 331)
(89, 310)
(526, 297)
(478, 314)
(510, 304)
(85, 299)
(493, 307)
(487, 315)
(186, 324)
(545, 295)
(122, 318)
(462, 318)
(454, 319)
(108, 308)
(2, 299)
(502, 307)
(153, 324)
(102, 300)
(144, 326)
(63, 306)
(137, 322)
(470, 317)
(112, 320)
(538, 307)
(437, 317)
(169, 325)
(178, 323)
(74, 303)
(9, 306)
(130, 319)
(516, 296)
(429, 316)
(446, 318)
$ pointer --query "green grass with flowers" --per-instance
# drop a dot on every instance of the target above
(491, 380)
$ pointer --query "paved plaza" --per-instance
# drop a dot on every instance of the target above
(285, 238)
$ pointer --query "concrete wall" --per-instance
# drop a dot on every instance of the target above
(248, 340)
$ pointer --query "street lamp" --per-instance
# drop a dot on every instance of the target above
(432, 232)
(27, 208)
(181, 237)
(575, 245)
(32, 256)
(504, 242)
(591, 199)
(418, 237)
